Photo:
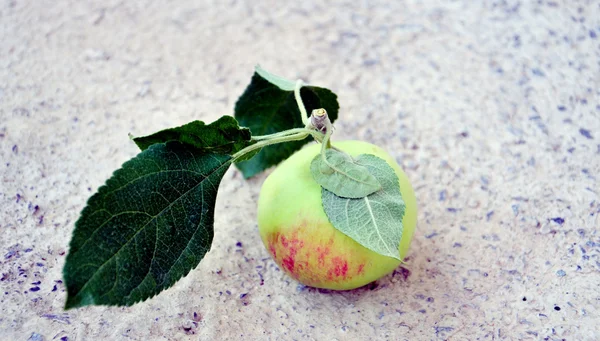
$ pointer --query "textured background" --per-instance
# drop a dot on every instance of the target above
(491, 107)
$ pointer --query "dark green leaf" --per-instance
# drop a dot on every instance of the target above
(223, 136)
(265, 108)
(342, 175)
(374, 221)
(147, 227)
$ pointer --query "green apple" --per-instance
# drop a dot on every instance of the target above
(298, 235)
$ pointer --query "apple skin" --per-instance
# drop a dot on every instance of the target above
(298, 235)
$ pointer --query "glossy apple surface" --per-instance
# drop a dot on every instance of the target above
(298, 235)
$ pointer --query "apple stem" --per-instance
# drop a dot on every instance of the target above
(319, 119)
(324, 124)
(321, 122)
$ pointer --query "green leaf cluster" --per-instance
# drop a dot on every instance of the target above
(152, 222)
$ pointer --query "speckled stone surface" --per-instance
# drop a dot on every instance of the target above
(491, 107)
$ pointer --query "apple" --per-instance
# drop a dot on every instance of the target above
(297, 233)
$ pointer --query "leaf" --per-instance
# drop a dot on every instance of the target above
(147, 227)
(223, 136)
(343, 175)
(265, 108)
(374, 221)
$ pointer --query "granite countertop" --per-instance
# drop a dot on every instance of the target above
(491, 108)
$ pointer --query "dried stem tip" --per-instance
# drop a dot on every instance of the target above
(320, 120)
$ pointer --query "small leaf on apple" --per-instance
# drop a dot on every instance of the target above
(268, 106)
(342, 175)
(374, 221)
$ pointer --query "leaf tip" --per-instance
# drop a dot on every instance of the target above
(280, 82)
(69, 305)
(398, 257)
(75, 301)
